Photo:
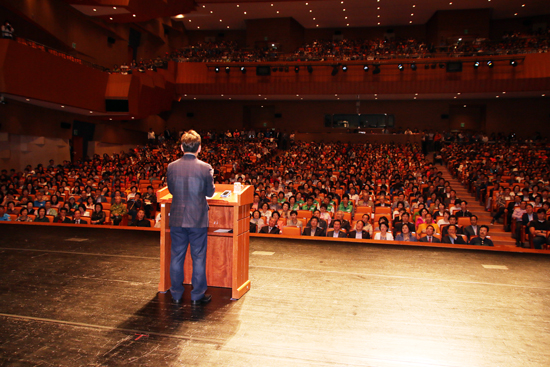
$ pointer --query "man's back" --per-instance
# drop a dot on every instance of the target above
(190, 181)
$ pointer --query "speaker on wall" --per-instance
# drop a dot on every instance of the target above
(116, 105)
(263, 70)
(278, 115)
(444, 116)
(65, 125)
(190, 114)
(111, 40)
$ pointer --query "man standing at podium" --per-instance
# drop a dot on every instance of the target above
(190, 181)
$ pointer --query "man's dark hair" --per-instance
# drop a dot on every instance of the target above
(484, 226)
(190, 141)
(359, 221)
(474, 216)
(294, 212)
(541, 211)
(337, 220)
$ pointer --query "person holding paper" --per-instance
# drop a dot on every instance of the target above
(190, 181)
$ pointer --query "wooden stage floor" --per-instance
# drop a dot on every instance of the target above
(88, 297)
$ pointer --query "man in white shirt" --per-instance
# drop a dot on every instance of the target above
(359, 233)
(336, 232)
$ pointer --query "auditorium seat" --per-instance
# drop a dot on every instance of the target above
(304, 214)
(291, 231)
(13, 217)
(347, 216)
(382, 210)
(463, 221)
(363, 210)
(50, 218)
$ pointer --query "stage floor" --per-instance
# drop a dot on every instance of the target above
(88, 297)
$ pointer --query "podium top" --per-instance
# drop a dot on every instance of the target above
(245, 197)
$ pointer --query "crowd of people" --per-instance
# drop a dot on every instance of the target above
(368, 191)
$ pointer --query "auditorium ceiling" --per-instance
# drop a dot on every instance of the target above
(311, 14)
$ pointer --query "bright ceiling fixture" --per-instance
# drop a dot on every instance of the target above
(179, 16)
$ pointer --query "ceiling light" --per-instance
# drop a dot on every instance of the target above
(515, 14)
(378, 23)
(413, 67)
(310, 69)
(211, 12)
(27, 100)
(111, 119)
(464, 106)
(91, 112)
(95, 9)
(179, 16)
(245, 12)
(412, 14)
(313, 18)
(227, 27)
(311, 11)
(237, 5)
(376, 69)
(347, 25)
(243, 70)
(343, 9)
(62, 106)
(271, 4)
(220, 20)
(134, 15)
(110, 18)
(365, 67)
(476, 64)
(414, 6)
(523, 5)
(410, 22)
(227, 69)
(114, 7)
(426, 66)
(503, 92)
(345, 68)
(133, 117)
(490, 63)
(400, 67)
(277, 12)
(189, 20)
(296, 69)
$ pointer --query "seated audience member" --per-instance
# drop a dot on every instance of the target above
(257, 220)
(118, 210)
(24, 216)
(90, 204)
(41, 217)
(7, 30)
(67, 206)
(285, 211)
(405, 222)
(10, 209)
(62, 217)
(83, 211)
(99, 197)
(501, 200)
(135, 205)
(140, 220)
(49, 210)
(381, 220)
(132, 193)
(325, 215)
(264, 211)
(98, 216)
(344, 223)
(293, 221)
(440, 212)
(430, 236)
(359, 232)
(538, 228)
(526, 214)
(54, 202)
(30, 208)
(150, 201)
(452, 236)
(271, 227)
(452, 221)
(278, 220)
(405, 235)
(38, 200)
(368, 227)
(314, 229)
(421, 218)
(309, 205)
(336, 231)
(322, 223)
(73, 203)
(274, 204)
(463, 212)
(429, 222)
(473, 229)
(256, 203)
(345, 205)
(482, 240)
(383, 234)
(445, 220)
(77, 218)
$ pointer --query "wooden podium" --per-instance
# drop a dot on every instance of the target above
(227, 253)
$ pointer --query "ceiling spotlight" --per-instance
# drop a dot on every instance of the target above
(274, 69)
(441, 65)
(365, 67)
(433, 66)
(426, 66)
(400, 67)
(217, 69)
(490, 63)
(514, 63)
(227, 69)
(335, 70)
(310, 69)
(344, 68)
(476, 64)
(243, 70)
(280, 68)
(286, 69)
(376, 70)
(413, 67)
(296, 69)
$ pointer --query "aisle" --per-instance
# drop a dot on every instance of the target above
(496, 232)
